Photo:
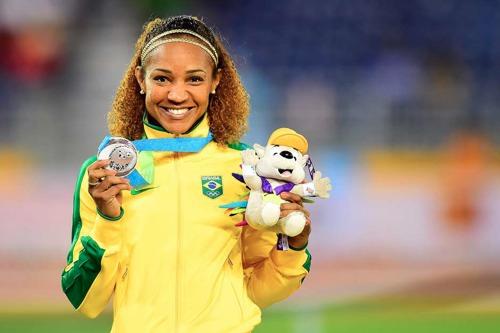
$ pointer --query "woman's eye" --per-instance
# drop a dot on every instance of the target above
(161, 79)
(196, 79)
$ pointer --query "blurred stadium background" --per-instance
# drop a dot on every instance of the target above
(400, 101)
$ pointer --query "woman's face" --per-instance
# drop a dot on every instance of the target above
(177, 79)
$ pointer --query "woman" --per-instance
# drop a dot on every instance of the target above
(173, 260)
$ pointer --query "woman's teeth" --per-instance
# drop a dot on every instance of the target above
(177, 112)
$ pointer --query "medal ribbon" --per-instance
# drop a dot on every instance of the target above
(144, 177)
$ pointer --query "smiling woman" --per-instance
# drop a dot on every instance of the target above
(227, 106)
(177, 78)
(170, 256)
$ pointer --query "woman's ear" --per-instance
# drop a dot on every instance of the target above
(216, 80)
(139, 75)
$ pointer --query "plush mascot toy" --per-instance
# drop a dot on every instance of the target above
(276, 168)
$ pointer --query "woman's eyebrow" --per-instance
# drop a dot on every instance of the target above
(163, 70)
(167, 71)
(195, 70)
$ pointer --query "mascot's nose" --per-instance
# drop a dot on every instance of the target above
(286, 154)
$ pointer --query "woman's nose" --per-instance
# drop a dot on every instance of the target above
(177, 94)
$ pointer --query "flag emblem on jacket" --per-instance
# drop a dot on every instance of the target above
(211, 186)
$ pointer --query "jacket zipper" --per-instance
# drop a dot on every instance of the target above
(179, 244)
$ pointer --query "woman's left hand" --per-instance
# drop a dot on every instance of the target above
(295, 204)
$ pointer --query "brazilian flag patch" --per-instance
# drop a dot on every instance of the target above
(211, 186)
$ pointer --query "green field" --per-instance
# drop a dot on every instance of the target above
(361, 317)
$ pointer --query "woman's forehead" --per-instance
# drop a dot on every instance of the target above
(179, 55)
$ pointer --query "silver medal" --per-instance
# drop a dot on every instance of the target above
(122, 155)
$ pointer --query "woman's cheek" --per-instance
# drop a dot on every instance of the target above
(156, 94)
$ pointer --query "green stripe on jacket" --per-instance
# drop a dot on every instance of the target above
(77, 281)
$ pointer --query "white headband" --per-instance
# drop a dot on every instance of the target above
(156, 41)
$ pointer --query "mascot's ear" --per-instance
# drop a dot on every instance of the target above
(259, 150)
(304, 160)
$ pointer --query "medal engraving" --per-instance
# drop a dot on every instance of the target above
(122, 155)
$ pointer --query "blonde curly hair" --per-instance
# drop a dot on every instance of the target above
(227, 110)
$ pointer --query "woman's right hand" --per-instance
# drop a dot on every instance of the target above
(105, 188)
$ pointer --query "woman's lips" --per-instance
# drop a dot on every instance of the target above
(177, 113)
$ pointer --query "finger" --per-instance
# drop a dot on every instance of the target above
(114, 190)
(110, 193)
(289, 196)
(110, 181)
(93, 168)
(99, 164)
(285, 213)
(291, 206)
(95, 175)
(114, 180)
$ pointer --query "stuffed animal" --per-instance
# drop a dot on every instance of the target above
(276, 168)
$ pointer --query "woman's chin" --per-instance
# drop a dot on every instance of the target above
(178, 125)
(175, 128)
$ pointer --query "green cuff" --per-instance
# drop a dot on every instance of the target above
(298, 249)
(106, 217)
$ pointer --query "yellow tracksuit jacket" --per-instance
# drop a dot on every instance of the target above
(173, 260)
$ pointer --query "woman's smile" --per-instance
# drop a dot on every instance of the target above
(177, 113)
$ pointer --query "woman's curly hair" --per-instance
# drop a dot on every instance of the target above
(227, 111)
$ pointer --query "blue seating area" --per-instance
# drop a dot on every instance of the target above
(328, 36)
(453, 48)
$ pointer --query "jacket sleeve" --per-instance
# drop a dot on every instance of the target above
(271, 275)
(90, 276)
